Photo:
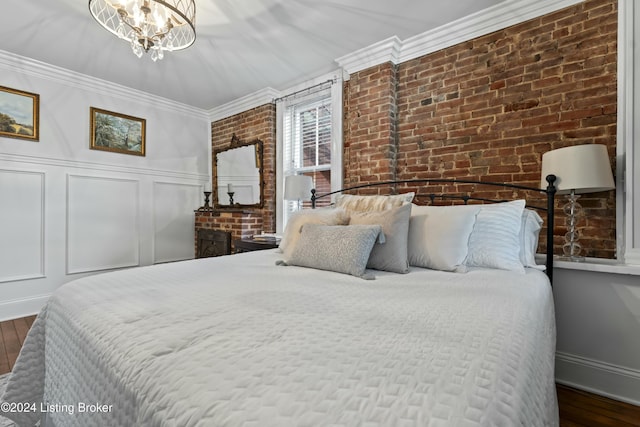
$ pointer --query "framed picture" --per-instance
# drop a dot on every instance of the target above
(117, 132)
(19, 113)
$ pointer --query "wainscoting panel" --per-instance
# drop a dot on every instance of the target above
(173, 224)
(102, 223)
(21, 225)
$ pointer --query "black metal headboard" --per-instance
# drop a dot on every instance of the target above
(550, 191)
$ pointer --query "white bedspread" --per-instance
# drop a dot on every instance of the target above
(238, 341)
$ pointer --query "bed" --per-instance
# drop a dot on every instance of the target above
(257, 339)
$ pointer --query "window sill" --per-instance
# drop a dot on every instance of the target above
(599, 265)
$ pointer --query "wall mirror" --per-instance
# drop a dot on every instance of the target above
(237, 175)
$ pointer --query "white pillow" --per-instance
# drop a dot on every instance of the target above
(495, 239)
(353, 203)
(392, 254)
(439, 236)
(325, 216)
(529, 233)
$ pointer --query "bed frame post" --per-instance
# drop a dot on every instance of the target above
(551, 193)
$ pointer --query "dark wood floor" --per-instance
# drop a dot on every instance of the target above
(12, 335)
(577, 408)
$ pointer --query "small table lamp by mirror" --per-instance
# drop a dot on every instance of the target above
(579, 169)
(298, 188)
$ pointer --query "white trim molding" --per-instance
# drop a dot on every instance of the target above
(628, 157)
(245, 103)
(606, 379)
(15, 309)
(498, 17)
(96, 166)
(11, 61)
(387, 50)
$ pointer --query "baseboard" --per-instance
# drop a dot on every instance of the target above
(606, 379)
(18, 308)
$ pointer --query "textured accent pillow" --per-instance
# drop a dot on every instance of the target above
(495, 239)
(392, 254)
(372, 203)
(439, 236)
(529, 233)
(326, 216)
(339, 248)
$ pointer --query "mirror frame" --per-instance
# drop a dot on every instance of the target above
(236, 143)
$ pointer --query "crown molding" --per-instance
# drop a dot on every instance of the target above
(498, 17)
(387, 50)
(42, 70)
(247, 102)
(268, 95)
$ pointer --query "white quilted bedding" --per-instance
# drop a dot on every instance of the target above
(238, 341)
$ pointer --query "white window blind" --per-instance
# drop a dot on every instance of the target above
(307, 141)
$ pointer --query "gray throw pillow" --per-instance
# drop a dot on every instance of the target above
(392, 255)
(339, 248)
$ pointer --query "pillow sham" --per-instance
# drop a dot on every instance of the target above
(392, 254)
(529, 234)
(495, 239)
(339, 248)
(326, 216)
(353, 203)
(439, 236)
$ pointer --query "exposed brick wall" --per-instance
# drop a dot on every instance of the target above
(257, 123)
(370, 136)
(483, 109)
(488, 108)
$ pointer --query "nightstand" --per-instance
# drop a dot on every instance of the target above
(248, 245)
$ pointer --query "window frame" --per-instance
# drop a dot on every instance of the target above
(628, 135)
(335, 94)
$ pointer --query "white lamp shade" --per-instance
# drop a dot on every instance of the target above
(582, 168)
(297, 187)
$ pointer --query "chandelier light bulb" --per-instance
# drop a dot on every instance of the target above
(151, 26)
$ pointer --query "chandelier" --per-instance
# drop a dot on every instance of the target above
(151, 26)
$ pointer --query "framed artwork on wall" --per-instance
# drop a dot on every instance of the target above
(117, 132)
(19, 114)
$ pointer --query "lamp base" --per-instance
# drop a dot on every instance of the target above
(572, 247)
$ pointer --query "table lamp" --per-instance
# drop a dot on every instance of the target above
(298, 188)
(578, 169)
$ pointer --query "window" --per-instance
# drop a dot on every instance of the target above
(628, 164)
(310, 140)
(307, 147)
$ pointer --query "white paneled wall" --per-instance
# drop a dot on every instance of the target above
(598, 323)
(21, 221)
(67, 211)
(173, 232)
(103, 219)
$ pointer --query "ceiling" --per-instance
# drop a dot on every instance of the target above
(241, 46)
